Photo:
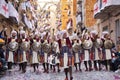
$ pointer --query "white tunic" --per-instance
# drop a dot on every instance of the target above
(96, 54)
(10, 57)
(65, 60)
(86, 55)
(108, 54)
(35, 54)
(50, 58)
(35, 57)
(24, 57)
(45, 57)
(77, 58)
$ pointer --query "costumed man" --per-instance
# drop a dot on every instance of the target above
(66, 52)
(45, 47)
(96, 49)
(76, 50)
(87, 45)
(66, 42)
(107, 49)
(35, 50)
(116, 60)
(30, 37)
(12, 47)
(24, 48)
(55, 54)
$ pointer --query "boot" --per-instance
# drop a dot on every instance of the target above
(76, 67)
(44, 67)
(85, 62)
(58, 67)
(66, 73)
(90, 65)
(47, 67)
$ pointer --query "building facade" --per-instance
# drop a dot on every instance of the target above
(88, 18)
(68, 11)
(16, 13)
(108, 14)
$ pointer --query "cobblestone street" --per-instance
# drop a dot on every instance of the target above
(30, 75)
(37, 36)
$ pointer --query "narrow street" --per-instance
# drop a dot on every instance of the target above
(39, 75)
(37, 35)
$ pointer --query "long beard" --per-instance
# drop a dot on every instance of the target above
(23, 37)
(13, 37)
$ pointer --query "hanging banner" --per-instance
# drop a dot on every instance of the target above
(106, 3)
(12, 11)
(4, 9)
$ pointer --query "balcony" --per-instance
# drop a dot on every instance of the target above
(105, 7)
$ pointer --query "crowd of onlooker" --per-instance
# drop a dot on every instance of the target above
(3, 65)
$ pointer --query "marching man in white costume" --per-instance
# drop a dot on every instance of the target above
(11, 41)
(87, 45)
(24, 48)
(46, 49)
(96, 49)
(106, 49)
(66, 48)
(35, 44)
(55, 53)
(76, 50)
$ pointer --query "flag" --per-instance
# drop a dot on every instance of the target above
(27, 22)
(69, 24)
(12, 11)
(78, 19)
(104, 3)
(4, 8)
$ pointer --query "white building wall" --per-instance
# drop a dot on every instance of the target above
(111, 26)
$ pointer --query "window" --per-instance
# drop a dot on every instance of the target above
(105, 28)
(117, 24)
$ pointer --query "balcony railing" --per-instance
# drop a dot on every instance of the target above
(103, 7)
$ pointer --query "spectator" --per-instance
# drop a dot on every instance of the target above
(3, 66)
(118, 42)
